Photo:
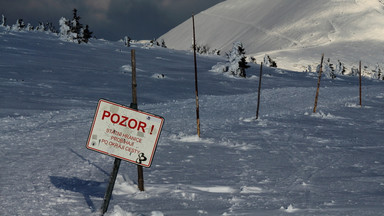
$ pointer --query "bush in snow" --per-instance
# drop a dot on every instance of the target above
(205, 49)
(269, 62)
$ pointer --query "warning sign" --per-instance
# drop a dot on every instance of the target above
(125, 133)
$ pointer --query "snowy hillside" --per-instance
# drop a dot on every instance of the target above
(288, 162)
(294, 33)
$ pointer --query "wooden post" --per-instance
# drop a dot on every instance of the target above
(360, 83)
(112, 180)
(318, 83)
(140, 172)
(259, 92)
(196, 86)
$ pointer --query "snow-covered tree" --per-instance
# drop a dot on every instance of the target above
(377, 73)
(354, 71)
(72, 30)
(340, 68)
(40, 27)
(19, 25)
(236, 64)
(3, 21)
(29, 27)
(65, 30)
(127, 41)
(237, 60)
(269, 62)
(328, 69)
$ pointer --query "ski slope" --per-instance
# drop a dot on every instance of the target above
(294, 33)
(290, 161)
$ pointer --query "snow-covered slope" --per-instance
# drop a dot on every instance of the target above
(294, 32)
(288, 162)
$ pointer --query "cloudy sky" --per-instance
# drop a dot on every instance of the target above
(109, 19)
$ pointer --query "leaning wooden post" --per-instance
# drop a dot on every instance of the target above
(111, 185)
(259, 92)
(318, 83)
(196, 86)
(360, 83)
(140, 172)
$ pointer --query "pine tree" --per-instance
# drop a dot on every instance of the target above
(75, 23)
(86, 34)
(163, 43)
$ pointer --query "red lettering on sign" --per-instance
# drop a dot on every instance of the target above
(142, 125)
(117, 119)
(134, 123)
(105, 114)
(122, 123)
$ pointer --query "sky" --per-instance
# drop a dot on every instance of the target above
(109, 19)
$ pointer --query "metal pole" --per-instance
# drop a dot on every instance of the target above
(196, 86)
(259, 92)
(140, 172)
(318, 83)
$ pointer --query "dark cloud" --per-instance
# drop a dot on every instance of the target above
(109, 19)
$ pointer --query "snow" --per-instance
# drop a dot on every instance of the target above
(294, 33)
(290, 161)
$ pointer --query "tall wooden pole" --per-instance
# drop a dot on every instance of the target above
(140, 172)
(318, 83)
(196, 86)
(259, 92)
(360, 83)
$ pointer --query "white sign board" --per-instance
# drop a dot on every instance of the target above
(125, 133)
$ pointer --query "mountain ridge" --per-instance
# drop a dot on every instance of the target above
(279, 27)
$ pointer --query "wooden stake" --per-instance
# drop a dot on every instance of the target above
(318, 83)
(140, 172)
(360, 83)
(196, 86)
(111, 185)
(259, 92)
